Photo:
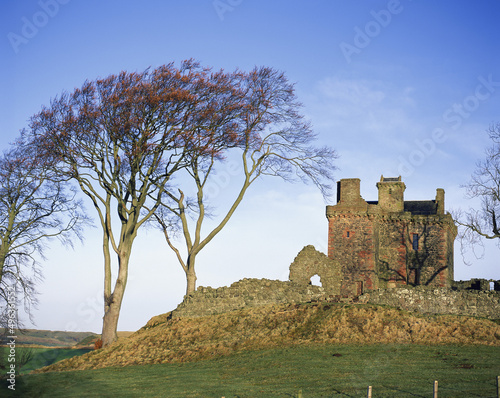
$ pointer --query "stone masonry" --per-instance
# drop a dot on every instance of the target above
(438, 300)
(387, 252)
(472, 298)
(389, 242)
(310, 262)
(243, 294)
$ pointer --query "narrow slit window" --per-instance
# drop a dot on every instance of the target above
(347, 234)
(415, 242)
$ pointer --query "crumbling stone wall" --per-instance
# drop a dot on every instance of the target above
(245, 293)
(255, 292)
(438, 300)
(472, 298)
(476, 284)
(310, 262)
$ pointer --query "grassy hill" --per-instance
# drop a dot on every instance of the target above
(294, 350)
(48, 338)
(164, 340)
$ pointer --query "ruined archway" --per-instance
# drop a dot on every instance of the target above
(310, 262)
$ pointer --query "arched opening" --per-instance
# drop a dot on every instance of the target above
(492, 285)
(316, 280)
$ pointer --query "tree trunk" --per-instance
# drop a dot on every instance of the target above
(107, 270)
(190, 276)
(112, 312)
(110, 325)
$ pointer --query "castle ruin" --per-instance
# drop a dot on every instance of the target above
(387, 252)
(389, 242)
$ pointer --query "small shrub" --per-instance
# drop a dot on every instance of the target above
(98, 344)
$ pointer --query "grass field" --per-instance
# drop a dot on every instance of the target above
(40, 356)
(332, 370)
(45, 356)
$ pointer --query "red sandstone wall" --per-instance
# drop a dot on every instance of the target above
(352, 242)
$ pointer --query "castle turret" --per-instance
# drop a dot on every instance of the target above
(391, 194)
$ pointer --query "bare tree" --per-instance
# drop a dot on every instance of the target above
(270, 138)
(122, 138)
(484, 222)
(35, 207)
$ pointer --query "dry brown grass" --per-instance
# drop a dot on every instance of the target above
(179, 340)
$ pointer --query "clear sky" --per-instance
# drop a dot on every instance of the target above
(396, 87)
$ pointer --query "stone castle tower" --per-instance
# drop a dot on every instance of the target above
(380, 244)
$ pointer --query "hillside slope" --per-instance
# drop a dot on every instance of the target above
(165, 340)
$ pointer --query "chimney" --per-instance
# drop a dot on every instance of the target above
(348, 191)
(440, 201)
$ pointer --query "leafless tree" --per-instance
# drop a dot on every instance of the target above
(35, 207)
(483, 222)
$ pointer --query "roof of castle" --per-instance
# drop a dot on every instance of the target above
(421, 207)
(390, 179)
(416, 207)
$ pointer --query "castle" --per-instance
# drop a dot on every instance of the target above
(389, 242)
(387, 252)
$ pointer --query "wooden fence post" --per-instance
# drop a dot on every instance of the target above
(435, 389)
(369, 392)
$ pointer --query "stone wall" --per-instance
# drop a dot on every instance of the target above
(438, 300)
(243, 294)
(476, 284)
(255, 292)
(352, 242)
(472, 298)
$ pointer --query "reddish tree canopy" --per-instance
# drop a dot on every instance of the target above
(122, 138)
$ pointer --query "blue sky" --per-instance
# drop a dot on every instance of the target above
(396, 87)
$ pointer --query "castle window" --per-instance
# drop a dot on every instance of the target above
(415, 241)
(347, 234)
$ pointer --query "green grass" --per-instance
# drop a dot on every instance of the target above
(47, 356)
(42, 356)
(319, 371)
